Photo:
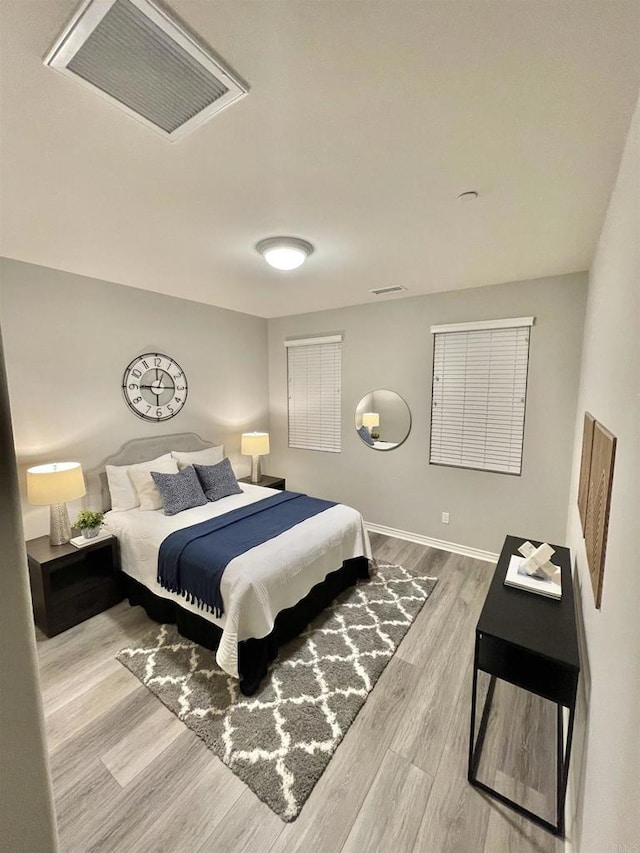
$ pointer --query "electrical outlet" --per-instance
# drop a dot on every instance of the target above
(445, 518)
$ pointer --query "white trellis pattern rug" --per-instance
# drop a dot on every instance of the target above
(280, 740)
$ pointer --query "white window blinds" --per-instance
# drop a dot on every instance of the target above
(314, 368)
(479, 394)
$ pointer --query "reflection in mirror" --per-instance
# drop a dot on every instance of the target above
(383, 419)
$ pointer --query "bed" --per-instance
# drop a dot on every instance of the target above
(270, 593)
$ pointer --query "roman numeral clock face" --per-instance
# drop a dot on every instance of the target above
(154, 386)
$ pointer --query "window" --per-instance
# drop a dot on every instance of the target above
(479, 394)
(314, 369)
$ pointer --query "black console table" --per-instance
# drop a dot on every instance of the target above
(529, 640)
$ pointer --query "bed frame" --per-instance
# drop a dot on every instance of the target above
(254, 655)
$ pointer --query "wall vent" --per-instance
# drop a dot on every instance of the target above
(136, 56)
(383, 291)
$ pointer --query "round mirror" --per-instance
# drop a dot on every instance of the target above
(383, 419)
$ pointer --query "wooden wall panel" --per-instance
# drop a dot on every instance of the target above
(598, 504)
(585, 468)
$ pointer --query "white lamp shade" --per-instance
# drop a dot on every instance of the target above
(55, 483)
(370, 419)
(254, 444)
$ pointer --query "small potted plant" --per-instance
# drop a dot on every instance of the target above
(89, 522)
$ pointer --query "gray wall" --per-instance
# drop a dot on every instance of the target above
(605, 771)
(27, 823)
(388, 345)
(67, 341)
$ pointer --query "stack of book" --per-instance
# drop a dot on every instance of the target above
(516, 577)
(82, 542)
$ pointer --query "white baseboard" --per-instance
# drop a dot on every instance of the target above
(465, 550)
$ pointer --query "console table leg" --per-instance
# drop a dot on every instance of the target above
(474, 696)
(564, 758)
(559, 767)
(486, 710)
(475, 751)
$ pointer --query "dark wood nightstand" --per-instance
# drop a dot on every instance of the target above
(69, 584)
(267, 481)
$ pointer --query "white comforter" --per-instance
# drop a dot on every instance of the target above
(258, 584)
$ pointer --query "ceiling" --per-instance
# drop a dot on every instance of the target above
(364, 123)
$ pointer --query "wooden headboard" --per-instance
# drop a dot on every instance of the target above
(137, 450)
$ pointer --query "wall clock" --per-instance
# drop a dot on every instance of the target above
(154, 386)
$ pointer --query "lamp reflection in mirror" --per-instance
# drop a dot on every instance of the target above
(255, 445)
(53, 485)
(370, 420)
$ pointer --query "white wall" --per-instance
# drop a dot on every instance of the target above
(388, 345)
(67, 342)
(605, 777)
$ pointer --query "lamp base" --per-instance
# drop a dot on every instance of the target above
(256, 473)
(59, 524)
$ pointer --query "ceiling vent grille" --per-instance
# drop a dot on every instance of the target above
(383, 291)
(132, 53)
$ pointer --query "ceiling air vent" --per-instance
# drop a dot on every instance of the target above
(383, 291)
(132, 53)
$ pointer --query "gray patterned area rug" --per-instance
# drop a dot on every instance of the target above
(280, 740)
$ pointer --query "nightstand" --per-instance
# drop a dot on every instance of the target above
(267, 481)
(69, 584)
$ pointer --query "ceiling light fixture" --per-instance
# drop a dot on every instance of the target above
(284, 253)
(469, 195)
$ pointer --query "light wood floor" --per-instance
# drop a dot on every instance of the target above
(130, 777)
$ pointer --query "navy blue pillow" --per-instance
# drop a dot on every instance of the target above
(179, 491)
(218, 481)
(365, 435)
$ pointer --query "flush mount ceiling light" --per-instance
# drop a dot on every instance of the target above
(469, 195)
(284, 253)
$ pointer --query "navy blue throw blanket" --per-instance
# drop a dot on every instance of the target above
(191, 561)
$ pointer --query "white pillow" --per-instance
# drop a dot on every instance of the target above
(121, 488)
(210, 456)
(150, 497)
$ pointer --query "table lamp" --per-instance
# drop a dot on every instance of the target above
(255, 445)
(52, 485)
(370, 420)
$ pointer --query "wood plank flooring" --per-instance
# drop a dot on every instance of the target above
(129, 777)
